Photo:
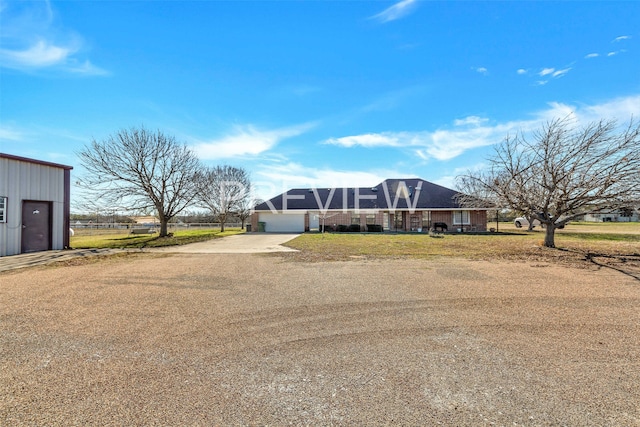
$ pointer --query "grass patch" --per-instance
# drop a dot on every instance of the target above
(511, 245)
(133, 241)
(614, 237)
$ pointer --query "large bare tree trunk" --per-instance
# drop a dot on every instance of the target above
(223, 219)
(549, 236)
(164, 228)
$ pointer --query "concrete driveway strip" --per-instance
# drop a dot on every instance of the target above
(236, 244)
(248, 243)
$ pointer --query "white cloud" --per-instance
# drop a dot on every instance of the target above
(621, 109)
(397, 11)
(546, 71)
(40, 54)
(522, 71)
(560, 73)
(10, 134)
(481, 70)
(592, 55)
(440, 144)
(366, 140)
(552, 72)
(32, 40)
(448, 143)
(247, 140)
(470, 120)
(620, 38)
(86, 68)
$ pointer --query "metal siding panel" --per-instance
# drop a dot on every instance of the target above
(30, 181)
(4, 169)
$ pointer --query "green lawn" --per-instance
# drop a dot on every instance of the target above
(575, 241)
(116, 239)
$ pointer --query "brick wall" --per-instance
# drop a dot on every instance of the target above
(478, 219)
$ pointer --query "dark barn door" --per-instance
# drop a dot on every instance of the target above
(36, 226)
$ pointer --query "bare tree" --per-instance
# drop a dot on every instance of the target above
(245, 208)
(224, 190)
(141, 169)
(562, 173)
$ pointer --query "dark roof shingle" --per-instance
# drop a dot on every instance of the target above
(390, 194)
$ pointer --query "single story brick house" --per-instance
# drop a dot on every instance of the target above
(34, 205)
(393, 205)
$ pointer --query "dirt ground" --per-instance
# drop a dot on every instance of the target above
(210, 339)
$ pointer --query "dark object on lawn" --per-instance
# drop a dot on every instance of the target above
(354, 228)
(440, 225)
(374, 228)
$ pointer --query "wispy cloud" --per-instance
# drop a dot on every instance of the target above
(41, 54)
(560, 73)
(368, 140)
(8, 134)
(473, 132)
(546, 71)
(550, 73)
(247, 140)
(32, 40)
(481, 70)
(620, 38)
(470, 121)
(440, 144)
(619, 108)
(397, 11)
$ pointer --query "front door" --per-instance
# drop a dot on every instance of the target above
(36, 226)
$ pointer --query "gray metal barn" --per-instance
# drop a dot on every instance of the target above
(34, 205)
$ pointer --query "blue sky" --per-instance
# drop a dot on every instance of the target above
(313, 93)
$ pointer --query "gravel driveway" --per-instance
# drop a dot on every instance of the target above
(211, 339)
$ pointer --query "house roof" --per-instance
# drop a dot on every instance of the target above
(391, 194)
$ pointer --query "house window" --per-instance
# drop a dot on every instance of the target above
(3, 209)
(461, 218)
(355, 219)
(371, 219)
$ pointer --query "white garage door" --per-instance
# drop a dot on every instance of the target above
(283, 223)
